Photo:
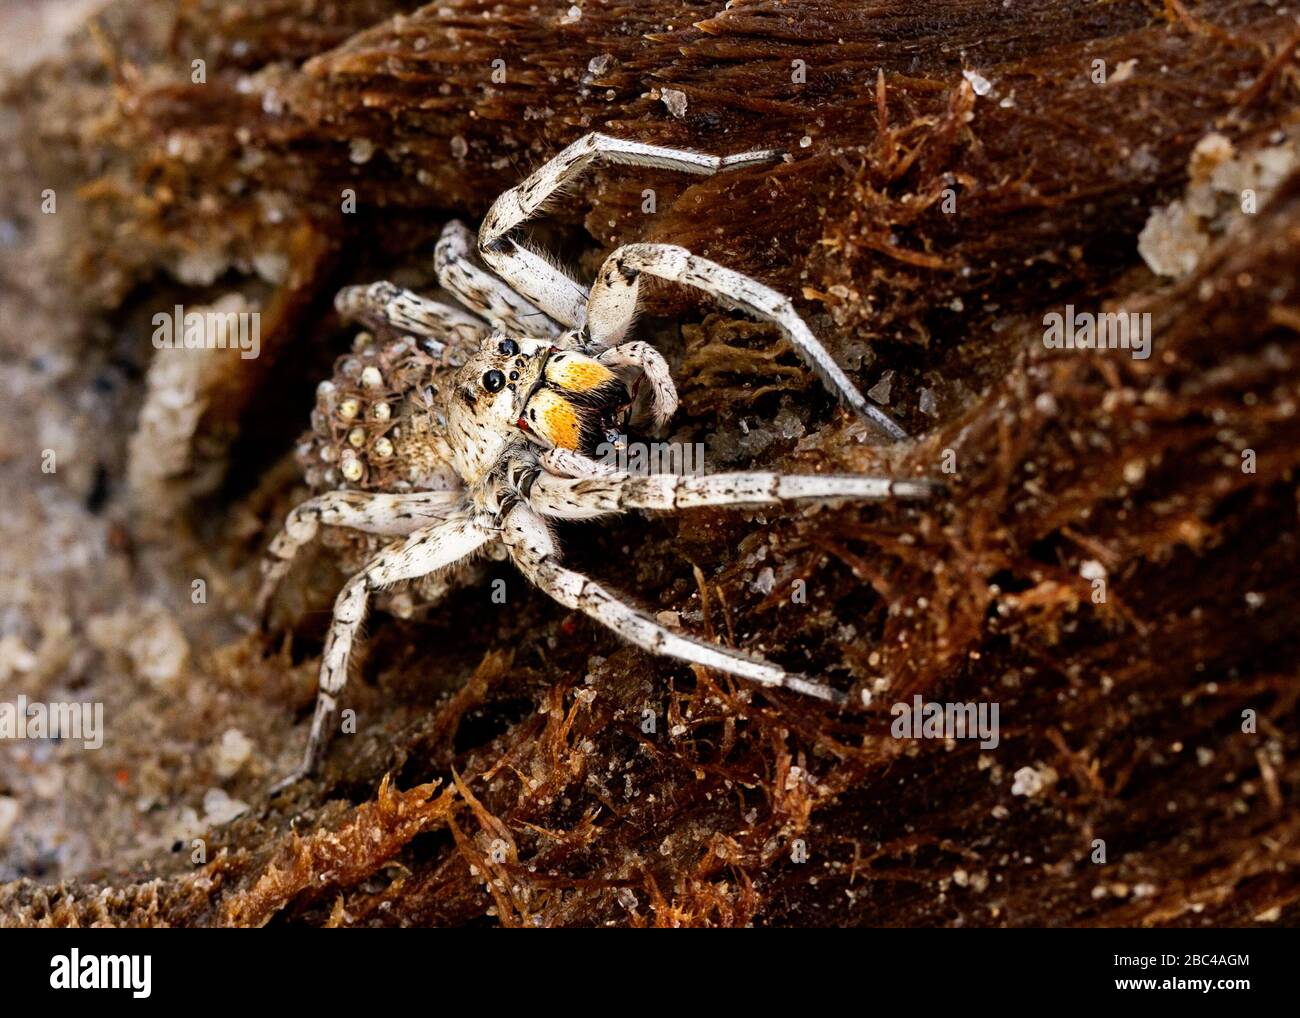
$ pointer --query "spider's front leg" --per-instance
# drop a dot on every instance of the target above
(592, 493)
(483, 292)
(530, 273)
(371, 513)
(424, 551)
(528, 538)
(614, 299)
(385, 304)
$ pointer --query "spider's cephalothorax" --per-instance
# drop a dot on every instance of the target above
(465, 433)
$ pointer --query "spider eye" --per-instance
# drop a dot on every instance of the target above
(509, 347)
(494, 381)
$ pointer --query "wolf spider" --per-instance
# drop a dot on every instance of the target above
(473, 430)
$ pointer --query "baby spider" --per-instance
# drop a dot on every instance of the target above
(469, 432)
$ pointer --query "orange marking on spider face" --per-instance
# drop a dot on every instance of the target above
(556, 420)
(578, 373)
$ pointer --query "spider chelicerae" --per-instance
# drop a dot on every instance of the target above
(474, 428)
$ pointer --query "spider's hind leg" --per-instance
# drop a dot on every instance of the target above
(424, 551)
(394, 515)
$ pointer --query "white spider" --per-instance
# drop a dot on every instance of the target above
(470, 433)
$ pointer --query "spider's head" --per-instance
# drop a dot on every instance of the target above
(527, 388)
(487, 400)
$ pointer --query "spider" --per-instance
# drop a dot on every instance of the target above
(468, 433)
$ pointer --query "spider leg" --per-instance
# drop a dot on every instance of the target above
(481, 291)
(528, 539)
(650, 362)
(385, 304)
(568, 463)
(530, 273)
(614, 297)
(361, 510)
(592, 495)
(427, 549)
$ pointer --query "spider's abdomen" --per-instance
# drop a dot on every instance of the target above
(377, 424)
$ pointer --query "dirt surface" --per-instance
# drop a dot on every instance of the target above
(1115, 563)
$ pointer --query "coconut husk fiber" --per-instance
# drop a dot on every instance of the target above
(955, 173)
